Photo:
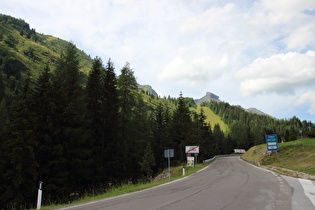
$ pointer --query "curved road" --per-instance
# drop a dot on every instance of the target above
(228, 183)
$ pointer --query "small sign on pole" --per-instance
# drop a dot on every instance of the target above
(168, 153)
(190, 161)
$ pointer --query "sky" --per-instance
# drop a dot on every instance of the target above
(251, 53)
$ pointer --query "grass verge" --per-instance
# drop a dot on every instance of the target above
(293, 158)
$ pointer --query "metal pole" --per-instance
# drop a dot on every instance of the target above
(39, 196)
(169, 165)
(196, 159)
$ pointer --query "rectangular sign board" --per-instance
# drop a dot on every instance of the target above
(192, 149)
(169, 153)
(272, 142)
(239, 151)
(190, 161)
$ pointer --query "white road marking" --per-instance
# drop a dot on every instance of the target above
(309, 189)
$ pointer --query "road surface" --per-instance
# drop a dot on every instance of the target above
(228, 183)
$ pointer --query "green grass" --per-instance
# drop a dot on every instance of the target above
(46, 49)
(128, 188)
(213, 119)
(296, 155)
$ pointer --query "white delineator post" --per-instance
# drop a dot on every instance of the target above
(39, 196)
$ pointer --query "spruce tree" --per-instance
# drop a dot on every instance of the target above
(20, 171)
(158, 131)
(111, 123)
(181, 129)
(44, 130)
(203, 135)
(148, 161)
(71, 167)
(95, 117)
(127, 89)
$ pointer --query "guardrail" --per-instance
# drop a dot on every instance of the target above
(218, 156)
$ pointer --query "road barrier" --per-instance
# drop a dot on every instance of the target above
(218, 156)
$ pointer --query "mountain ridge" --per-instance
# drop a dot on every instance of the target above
(28, 50)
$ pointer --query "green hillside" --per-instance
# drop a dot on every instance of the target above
(213, 119)
(24, 51)
(292, 157)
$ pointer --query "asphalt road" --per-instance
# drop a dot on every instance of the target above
(228, 183)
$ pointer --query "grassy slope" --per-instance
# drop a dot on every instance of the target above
(154, 102)
(296, 155)
(46, 50)
(213, 119)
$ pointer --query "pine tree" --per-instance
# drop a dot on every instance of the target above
(203, 136)
(181, 129)
(218, 139)
(148, 161)
(111, 123)
(159, 131)
(96, 117)
(71, 166)
(19, 176)
(2, 87)
(127, 89)
(44, 128)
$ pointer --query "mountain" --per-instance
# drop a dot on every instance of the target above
(212, 97)
(207, 98)
(255, 111)
(148, 90)
(24, 51)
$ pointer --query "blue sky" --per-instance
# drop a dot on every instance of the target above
(251, 53)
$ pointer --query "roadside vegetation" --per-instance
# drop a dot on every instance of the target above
(176, 173)
(294, 158)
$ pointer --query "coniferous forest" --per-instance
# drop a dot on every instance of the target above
(85, 133)
(83, 137)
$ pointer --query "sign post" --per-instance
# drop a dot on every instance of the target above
(39, 196)
(191, 150)
(168, 153)
(272, 142)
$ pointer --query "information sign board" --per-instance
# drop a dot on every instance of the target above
(192, 149)
(190, 161)
(169, 153)
(272, 142)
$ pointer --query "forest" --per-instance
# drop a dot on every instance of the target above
(85, 133)
(82, 137)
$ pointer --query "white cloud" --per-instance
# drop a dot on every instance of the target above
(210, 21)
(282, 73)
(282, 11)
(302, 37)
(308, 97)
(191, 46)
(193, 69)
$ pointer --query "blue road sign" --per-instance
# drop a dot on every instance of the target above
(272, 142)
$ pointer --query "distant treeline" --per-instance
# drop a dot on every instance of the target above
(247, 129)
